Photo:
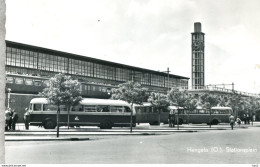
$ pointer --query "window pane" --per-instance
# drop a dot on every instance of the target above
(49, 107)
(9, 80)
(37, 83)
(19, 80)
(77, 108)
(28, 81)
(37, 107)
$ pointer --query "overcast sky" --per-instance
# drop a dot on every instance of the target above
(152, 34)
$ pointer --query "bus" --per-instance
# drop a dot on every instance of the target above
(29, 84)
(103, 113)
(200, 115)
(146, 113)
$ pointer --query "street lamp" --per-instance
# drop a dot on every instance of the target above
(8, 98)
(168, 78)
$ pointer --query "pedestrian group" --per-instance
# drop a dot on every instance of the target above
(11, 118)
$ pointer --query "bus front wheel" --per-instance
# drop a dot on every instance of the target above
(49, 124)
(106, 124)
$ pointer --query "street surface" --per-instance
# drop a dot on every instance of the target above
(238, 146)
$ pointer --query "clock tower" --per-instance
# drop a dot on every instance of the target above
(197, 57)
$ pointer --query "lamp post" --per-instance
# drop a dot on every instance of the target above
(168, 78)
(8, 98)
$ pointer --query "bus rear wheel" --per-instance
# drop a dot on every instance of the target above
(180, 121)
(49, 124)
(106, 124)
(154, 123)
(214, 122)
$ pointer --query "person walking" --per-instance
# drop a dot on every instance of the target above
(248, 118)
(26, 118)
(238, 121)
(14, 119)
(171, 118)
(7, 118)
(11, 119)
(232, 121)
(244, 118)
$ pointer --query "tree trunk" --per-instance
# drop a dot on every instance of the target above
(69, 110)
(131, 119)
(58, 120)
(210, 117)
(178, 118)
(159, 117)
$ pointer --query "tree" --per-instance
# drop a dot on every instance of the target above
(208, 101)
(130, 92)
(252, 104)
(237, 103)
(62, 90)
(223, 101)
(178, 98)
(159, 101)
(190, 104)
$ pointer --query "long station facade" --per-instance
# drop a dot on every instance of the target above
(28, 69)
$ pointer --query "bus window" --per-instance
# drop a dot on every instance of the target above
(216, 112)
(30, 107)
(50, 107)
(90, 108)
(19, 81)
(77, 108)
(141, 109)
(182, 111)
(116, 109)
(194, 112)
(104, 89)
(104, 108)
(202, 111)
(37, 83)
(28, 81)
(46, 83)
(127, 109)
(37, 107)
(9, 80)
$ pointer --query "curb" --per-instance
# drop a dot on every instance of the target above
(78, 138)
(54, 139)
(40, 133)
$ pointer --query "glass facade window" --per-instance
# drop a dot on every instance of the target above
(75, 67)
(123, 74)
(146, 79)
(104, 71)
(137, 76)
(157, 80)
(88, 69)
(111, 73)
(8, 55)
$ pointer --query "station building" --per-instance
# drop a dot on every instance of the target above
(28, 69)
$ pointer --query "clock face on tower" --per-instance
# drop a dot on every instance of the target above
(197, 45)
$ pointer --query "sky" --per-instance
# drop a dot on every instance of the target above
(151, 34)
